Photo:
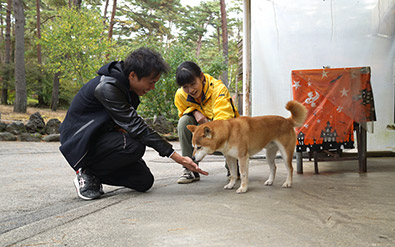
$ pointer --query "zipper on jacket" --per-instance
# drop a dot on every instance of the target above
(124, 141)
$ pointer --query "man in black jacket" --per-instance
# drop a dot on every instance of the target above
(104, 139)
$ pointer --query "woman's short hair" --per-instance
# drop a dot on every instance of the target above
(187, 72)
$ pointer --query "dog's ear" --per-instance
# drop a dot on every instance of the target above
(192, 128)
(207, 132)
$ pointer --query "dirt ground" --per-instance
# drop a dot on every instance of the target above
(7, 114)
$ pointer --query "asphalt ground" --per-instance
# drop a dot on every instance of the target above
(338, 207)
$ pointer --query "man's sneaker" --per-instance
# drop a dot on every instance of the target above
(88, 186)
(188, 177)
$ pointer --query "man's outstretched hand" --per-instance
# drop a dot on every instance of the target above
(187, 163)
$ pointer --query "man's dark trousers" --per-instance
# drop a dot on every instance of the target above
(116, 159)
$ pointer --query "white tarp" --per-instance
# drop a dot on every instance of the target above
(309, 34)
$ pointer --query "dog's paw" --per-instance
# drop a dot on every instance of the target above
(229, 186)
(241, 190)
(269, 183)
(287, 185)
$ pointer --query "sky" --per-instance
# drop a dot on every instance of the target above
(191, 2)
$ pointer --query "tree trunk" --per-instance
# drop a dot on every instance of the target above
(114, 9)
(199, 45)
(199, 41)
(20, 103)
(77, 3)
(219, 39)
(111, 26)
(55, 92)
(1, 33)
(224, 41)
(39, 58)
(7, 55)
(105, 12)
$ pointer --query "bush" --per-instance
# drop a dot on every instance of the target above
(160, 102)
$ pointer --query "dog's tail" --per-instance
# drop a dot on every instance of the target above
(298, 111)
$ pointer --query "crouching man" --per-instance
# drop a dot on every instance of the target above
(104, 139)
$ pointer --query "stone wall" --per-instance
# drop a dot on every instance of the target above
(36, 130)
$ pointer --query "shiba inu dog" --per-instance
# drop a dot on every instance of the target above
(240, 138)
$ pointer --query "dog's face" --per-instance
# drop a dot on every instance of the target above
(202, 141)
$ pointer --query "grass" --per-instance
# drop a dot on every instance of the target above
(8, 115)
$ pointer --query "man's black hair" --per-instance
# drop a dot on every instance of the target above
(187, 72)
(144, 62)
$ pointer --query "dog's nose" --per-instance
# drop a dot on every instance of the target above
(193, 158)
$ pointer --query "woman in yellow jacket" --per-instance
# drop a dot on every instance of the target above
(200, 99)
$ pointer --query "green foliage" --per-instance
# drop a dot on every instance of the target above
(212, 64)
(74, 43)
(7, 72)
(38, 82)
(196, 20)
(147, 20)
(31, 101)
(161, 100)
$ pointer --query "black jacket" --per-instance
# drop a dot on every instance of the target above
(101, 104)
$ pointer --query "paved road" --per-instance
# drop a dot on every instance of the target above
(339, 207)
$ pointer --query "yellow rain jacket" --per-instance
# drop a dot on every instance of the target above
(216, 101)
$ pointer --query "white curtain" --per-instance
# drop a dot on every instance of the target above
(309, 34)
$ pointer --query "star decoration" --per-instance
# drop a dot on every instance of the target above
(339, 109)
(296, 84)
(344, 92)
(324, 74)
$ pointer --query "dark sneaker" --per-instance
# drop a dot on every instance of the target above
(88, 186)
(188, 177)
